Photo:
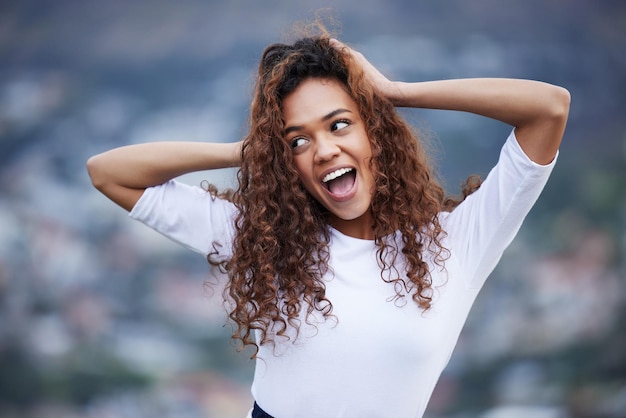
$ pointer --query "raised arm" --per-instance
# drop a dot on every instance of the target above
(537, 110)
(122, 174)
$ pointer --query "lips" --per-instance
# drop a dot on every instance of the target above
(337, 173)
(340, 183)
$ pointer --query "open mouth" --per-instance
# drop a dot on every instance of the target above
(340, 181)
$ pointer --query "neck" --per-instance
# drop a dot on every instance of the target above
(361, 227)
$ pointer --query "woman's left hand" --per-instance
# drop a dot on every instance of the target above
(388, 88)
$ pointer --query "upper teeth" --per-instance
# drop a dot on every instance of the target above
(333, 175)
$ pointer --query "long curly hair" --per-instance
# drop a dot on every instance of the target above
(281, 247)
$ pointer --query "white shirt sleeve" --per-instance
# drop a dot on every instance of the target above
(484, 224)
(190, 216)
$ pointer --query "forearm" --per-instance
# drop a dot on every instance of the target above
(516, 102)
(145, 165)
(512, 101)
(537, 110)
(123, 173)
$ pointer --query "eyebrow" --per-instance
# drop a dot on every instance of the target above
(324, 118)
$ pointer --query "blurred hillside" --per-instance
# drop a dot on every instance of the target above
(100, 317)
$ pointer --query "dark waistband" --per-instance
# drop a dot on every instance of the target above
(257, 412)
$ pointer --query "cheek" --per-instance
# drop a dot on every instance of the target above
(369, 158)
(303, 169)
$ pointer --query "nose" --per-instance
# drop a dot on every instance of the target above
(326, 149)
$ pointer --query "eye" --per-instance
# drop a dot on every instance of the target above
(298, 142)
(339, 125)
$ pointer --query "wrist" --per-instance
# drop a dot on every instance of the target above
(236, 154)
(396, 93)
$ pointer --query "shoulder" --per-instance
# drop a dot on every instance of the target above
(187, 214)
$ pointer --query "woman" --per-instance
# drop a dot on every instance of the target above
(347, 268)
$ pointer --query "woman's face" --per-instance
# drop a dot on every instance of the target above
(332, 152)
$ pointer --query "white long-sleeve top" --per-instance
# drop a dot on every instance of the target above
(375, 357)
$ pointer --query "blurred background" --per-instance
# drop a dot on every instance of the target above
(102, 318)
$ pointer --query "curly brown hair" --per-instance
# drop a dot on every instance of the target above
(281, 247)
